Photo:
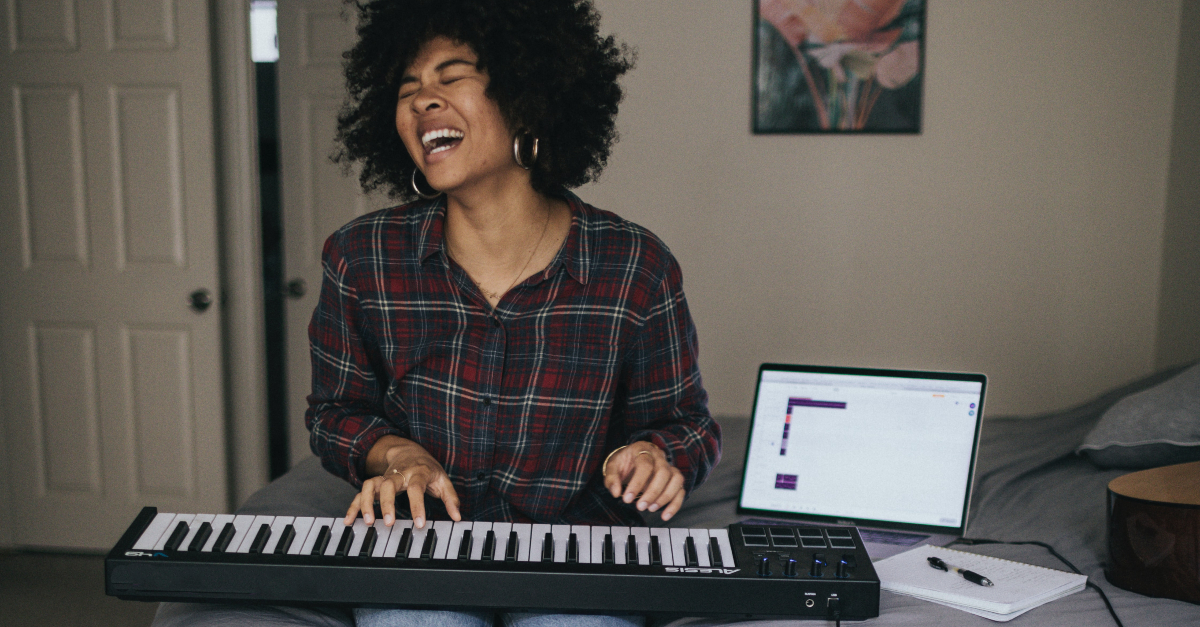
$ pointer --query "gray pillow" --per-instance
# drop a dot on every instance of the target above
(1155, 427)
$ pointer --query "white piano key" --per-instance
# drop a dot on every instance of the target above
(503, 530)
(197, 522)
(251, 531)
(538, 536)
(336, 529)
(241, 525)
(161, 543)
(445, 528)
(383, 534)
(583, 539)
(525, 542)
(456, 536)
(620, 536)
(722, 538)
(678, 537)
(157, 528)
(701, 538)
(218, 525)
(314, 532)
(597, 551)
(418, 540)
(479, 532)
(664, 545)
(641, 535)
(302, 525)
(393, 541)
(561, 534)
(360, 534)
(277, 527)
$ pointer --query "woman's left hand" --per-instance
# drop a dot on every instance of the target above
(640, 470)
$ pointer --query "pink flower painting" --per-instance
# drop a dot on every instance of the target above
(838, 66)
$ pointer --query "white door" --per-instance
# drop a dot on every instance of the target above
(112, 383)
(317, 198)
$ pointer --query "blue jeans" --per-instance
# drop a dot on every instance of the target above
(367, 617)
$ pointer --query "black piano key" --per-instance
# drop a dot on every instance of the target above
(464, 546)
(510, 551)
(689, 552)
(260, 538)
(655, 552)
(223, 538)
(322, 540)
(177, 536)
(489, 545)
(368, 545)
(609, 552)
(285, 540)
(573, 549)
(430, 545)
(344, 543)
(548, 548)
(202, 535)
(714, 553)
(631, 555)
(405, 544)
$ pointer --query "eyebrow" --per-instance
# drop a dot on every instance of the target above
(409, 78)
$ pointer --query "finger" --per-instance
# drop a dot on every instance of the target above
(387, 500)
(641, 473)
(612, 479)
(366, 502)
(674, 506)
(444, 489)
(352, 513)
(416, 503)
(658, 482)
(668, 494)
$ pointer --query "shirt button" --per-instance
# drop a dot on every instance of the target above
(495, 322)
(487, 400)
(481, 475)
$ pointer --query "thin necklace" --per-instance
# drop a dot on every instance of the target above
(496, 295)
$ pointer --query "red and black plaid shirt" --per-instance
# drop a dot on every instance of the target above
(521, 404)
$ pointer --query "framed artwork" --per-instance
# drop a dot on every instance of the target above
(838, 66)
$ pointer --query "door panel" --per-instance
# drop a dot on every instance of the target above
(112, 383)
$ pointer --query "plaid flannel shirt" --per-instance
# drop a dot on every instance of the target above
(520, 404)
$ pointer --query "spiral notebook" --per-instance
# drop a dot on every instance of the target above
(1017, 587)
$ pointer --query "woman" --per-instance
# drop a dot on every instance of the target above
(498, 344)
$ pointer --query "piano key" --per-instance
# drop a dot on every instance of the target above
(321, 542)
(677, 546)
(337, 530)
(573, 549)
(548, 554)
(481, 532)
(283, 540)
(201, 539)
(444, 529)
(195, 525)
(664, 547)
(401, 533)
(620, 537)
(314, 532)
(177, 536)
(525, 551)
(656, 551)
(187, 519)
(360, 528)
(512, 549)
(260, 539)
(536, 542)
(641, 538)
(560, 533)
(464, 546)
(367, 546)
(598, 534)
(278, 527)
(247, 539)
(429, 544)
(153, 532)
(722, 538)
(383, 535)
(460, 530)
(224, 538)
(345, 539)
(418, 540)
(503, 531)
(701, 539)
(584, 534)
(303, 526)
(690, 558)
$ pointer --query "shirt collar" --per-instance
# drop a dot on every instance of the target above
(575, 255)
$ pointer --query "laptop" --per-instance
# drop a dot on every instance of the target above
(889, 451)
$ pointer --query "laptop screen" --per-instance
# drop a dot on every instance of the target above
(863, 446)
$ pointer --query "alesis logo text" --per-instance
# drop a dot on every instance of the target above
(723, 571)
(144, 554)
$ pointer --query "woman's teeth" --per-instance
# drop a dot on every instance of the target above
(440, 139)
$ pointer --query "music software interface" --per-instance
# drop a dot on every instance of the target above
(864, 447)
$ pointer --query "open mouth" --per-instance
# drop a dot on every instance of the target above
(441, 139)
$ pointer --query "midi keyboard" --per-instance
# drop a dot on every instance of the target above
(743, 570)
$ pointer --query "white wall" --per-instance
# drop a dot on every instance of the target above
(1019, 235)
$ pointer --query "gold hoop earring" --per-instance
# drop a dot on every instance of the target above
(533, 157)
(417, 187)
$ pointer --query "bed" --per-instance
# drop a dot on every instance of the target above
(1030, 484)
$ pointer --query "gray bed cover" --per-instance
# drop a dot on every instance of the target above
(1029, 485)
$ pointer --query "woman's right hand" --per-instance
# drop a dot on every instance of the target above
(402, 466)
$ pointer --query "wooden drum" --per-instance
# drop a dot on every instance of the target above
(1154, 532)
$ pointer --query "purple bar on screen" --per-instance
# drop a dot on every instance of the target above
(808, 402)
